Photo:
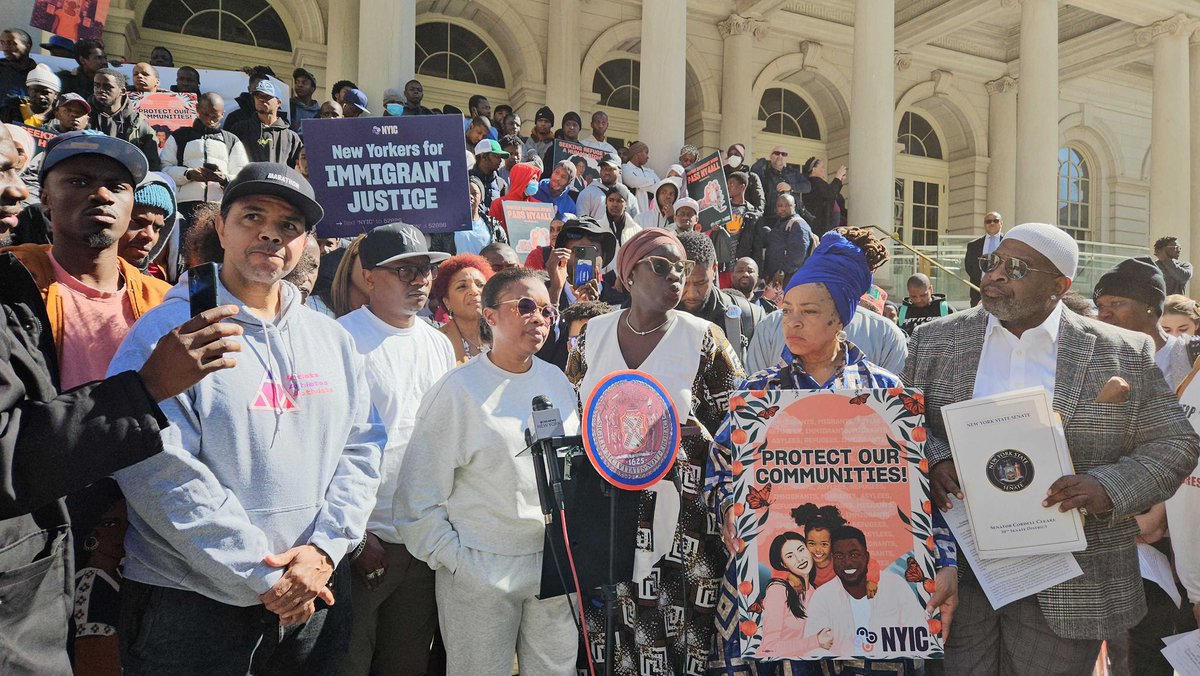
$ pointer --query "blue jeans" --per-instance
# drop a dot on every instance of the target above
(170, 631)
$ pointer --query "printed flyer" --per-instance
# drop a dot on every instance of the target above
(831, 505)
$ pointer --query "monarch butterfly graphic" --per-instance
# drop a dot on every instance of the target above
(913, 404)
(860, 399)
(759, 497)
(756, 607)
(768, 413)
(913, 572)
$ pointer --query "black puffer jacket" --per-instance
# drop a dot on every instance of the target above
(51, 445)
(128, 124)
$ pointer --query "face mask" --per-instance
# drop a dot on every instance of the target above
(531, 189)
(734, 161)
(394, 109)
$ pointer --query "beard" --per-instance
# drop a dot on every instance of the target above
(1009, 308)
(101, 240)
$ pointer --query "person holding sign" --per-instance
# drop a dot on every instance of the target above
(818, 303)
(1129, 440)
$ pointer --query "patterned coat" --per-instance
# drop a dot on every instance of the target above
(1139, 450)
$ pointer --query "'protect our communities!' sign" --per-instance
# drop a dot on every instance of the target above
(371, 171)
(831, 501)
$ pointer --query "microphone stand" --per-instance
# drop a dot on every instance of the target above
(608, 592)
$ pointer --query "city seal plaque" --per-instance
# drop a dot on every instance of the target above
(630, 430)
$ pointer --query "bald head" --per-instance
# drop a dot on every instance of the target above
(744, 277)
(210, 108)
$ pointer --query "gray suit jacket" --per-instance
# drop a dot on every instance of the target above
(1139, 450)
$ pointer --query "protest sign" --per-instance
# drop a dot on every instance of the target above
(585, 158)
(41, 136)
(370, 171)
(797, 453)
(528, 225)
(706, 184)
(165, 111)
(72, 19)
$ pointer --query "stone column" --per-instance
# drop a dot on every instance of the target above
(387, 38)
(1037, 114)
(1002, 129)
(562, 62)
(872, 131)
(1170, 161)
(738, 107)
(341, 61)
(1194, 253)
(664, 80)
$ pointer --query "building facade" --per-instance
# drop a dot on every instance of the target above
(1083, 113)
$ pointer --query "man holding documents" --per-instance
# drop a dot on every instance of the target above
(1129, 443)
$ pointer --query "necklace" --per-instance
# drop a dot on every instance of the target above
(646, 333)
(468, 344)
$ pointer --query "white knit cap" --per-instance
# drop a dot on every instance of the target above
(42, 75)
(1052, 242)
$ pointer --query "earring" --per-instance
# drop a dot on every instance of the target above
(842, 337)
(629, 283)
(1053, 297)
(91, 544)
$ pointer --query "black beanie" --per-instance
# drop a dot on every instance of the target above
(544, 113)
(572, 116)
(1136, 278)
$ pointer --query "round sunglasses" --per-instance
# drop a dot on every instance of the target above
(527, 306)
(1014, 268)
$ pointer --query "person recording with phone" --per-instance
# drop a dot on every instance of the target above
(668, 604)
(468, 502)
(577, 264)
(239, 529)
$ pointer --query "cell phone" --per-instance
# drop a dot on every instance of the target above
(202, 287)
(584, 268)
(211, 167)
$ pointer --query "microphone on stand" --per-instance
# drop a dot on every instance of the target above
(545, 423)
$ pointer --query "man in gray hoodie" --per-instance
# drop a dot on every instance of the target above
(268, 473)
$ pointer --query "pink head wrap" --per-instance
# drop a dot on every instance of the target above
(638, 247)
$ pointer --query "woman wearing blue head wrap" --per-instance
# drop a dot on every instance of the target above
(818, 302)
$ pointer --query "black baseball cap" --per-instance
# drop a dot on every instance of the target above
(395, 242)
(277, 180)
(91, 142)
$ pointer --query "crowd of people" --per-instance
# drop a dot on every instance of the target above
(323, 473)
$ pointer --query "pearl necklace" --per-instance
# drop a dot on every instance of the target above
(646, 333)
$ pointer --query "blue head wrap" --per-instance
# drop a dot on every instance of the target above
(842, 267)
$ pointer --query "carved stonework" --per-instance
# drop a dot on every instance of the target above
(811, 52)
(736, 24)
(1001, 85)
(903, 60)
(942, 80)
(1173, 26)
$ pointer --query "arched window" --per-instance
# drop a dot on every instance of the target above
(785, 112)
(455, 53)
(616, 82)
(1074, 193)
(918, 137)
(246, 22)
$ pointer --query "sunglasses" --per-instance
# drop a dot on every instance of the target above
(663, 266)
(991, 220)
(1014, 268)
(527, 306)
(407, 273)
(779, 153)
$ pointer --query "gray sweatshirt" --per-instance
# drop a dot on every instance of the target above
(279, 451)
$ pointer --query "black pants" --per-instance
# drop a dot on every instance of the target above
(169, 631)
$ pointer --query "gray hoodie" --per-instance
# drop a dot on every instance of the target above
(279, 451)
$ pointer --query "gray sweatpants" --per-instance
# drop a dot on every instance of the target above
(488, 608)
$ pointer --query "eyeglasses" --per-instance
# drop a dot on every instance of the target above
(407, 273)
(663, 266)
(779, 153)
(991, 220)
(527, 306)
(1014, 268)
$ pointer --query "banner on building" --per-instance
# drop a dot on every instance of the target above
(74, 20)
(371, 171)
(831, 501)
(528, 225)
(165, 112)
(41, 136)
(706, 184)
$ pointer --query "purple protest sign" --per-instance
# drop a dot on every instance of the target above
(370, 171)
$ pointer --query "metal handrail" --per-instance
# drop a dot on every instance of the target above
(923, 255)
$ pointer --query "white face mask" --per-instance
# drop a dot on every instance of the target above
(734, 161)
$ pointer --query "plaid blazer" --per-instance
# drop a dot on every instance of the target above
(1139, 450)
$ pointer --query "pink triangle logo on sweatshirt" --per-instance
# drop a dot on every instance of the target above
(273, 397)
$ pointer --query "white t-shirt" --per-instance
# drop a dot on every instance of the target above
(402, 364)
(861, 608)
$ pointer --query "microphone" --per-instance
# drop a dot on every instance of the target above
(545, 423)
